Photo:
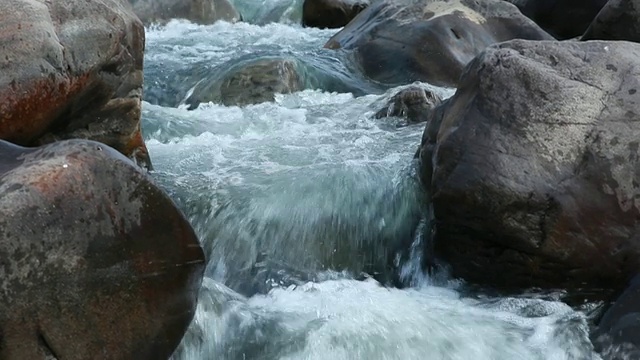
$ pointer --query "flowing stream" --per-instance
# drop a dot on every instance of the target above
(311, 214)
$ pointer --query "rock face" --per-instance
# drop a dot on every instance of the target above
(202, 12)
(564, 19)
(95, 260)
(71, 69)
(395, 44)
(534, 166)
(414, 103)
(618, 20)
(251, 83)
(331, 13)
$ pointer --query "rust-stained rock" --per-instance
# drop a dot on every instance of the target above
(71, 69)
(96, 262)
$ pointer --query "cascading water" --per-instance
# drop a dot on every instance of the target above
(311, 214)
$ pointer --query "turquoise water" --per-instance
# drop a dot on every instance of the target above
(311, 214)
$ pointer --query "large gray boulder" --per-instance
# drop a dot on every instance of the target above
(95, 260)
(534, 166)
(431, 41)
(72, 69)
(202, 12)
(618, 20)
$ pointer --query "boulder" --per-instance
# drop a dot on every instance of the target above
(617, 335)
(534, 166)
(95, 260)
(72, 69)
(415, 103)
(564, 19)
(618, 20)
(249, 83)
(431, 41)
(331, 14)
(202, 12)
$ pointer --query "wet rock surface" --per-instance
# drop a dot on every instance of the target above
(96, 261)
(429, 42)
(251, 83)
(414, 103)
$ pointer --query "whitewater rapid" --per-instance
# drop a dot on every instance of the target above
(311, 214)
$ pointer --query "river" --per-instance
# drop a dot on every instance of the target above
(311, 214)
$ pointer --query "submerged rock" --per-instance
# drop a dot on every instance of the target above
(618, 20)
(72, 69)
(564, 19)
(534, 166)
(331, 13)
(433, 42)
(251, 83)
(414, 103)
(202, 12)
(95, 260)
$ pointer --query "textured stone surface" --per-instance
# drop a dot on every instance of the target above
(95, 260)
(71, 69)
(533, 166)
(618, 20)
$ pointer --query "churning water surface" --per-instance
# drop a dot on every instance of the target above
(311, 214)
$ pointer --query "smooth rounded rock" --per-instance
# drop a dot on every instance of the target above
(252, 83)
(430, 41)
(331, 14)
(72, 69)
(618, 20)
(202, 12)
(534, 166)
(95, 260)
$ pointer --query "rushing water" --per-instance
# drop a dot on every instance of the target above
(311, 213)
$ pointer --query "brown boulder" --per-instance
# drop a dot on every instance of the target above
(534, 166)
(71, 69)
(618, 20)
(202, 12)
(252, 83)
(95, 260)
(431, 41)
(331, 14)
